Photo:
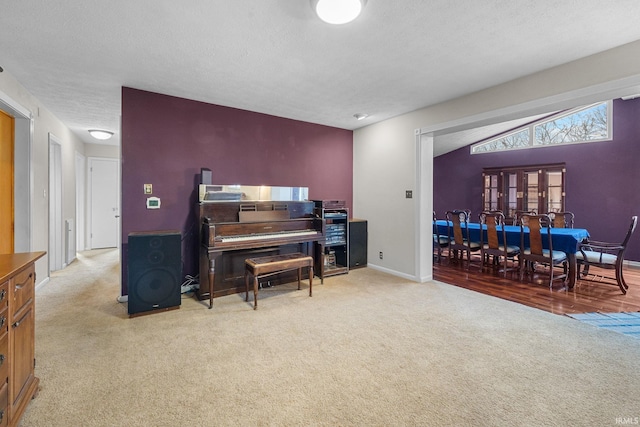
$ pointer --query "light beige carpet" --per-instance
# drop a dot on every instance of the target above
(368, 349)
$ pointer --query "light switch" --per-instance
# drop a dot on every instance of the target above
(148, 189)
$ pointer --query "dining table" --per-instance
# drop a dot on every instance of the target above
(566, 240)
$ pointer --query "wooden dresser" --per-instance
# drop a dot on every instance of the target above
(18, 383)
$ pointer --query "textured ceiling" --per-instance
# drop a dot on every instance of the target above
(276, 57)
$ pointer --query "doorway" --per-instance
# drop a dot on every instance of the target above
(104, 203)
(56, 247)
(6, 183)
(81, 179)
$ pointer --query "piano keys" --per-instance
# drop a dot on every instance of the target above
(232, 231)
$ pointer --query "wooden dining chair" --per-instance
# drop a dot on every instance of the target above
(609, 256)
(535, 252)
(561, 219)
(458, 234)
(517, 216)
(495, 244)
(440, 241)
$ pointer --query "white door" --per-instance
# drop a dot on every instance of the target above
(104, 202)
(81, 185)
(56, 242)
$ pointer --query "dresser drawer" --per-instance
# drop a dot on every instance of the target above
(4, 404)
(4, 320)
(4, 294)
(23, 288)
(4, 357)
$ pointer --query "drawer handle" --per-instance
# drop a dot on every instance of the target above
(3, 320)
(16, 324)
(2, 357)
(26, 282)
(1, 415)
(3, 293)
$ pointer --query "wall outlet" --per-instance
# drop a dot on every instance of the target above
(380, 254)
(409, 194)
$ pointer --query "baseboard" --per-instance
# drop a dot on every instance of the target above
(41, 284)
(632, 264)
(393, 272)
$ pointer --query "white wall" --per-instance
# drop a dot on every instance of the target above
(385, 153)
(43, 123)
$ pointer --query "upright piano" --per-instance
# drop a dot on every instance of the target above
(234, 230)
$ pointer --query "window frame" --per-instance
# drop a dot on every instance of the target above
(531, 127)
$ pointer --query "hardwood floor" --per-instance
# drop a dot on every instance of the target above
(587, 296)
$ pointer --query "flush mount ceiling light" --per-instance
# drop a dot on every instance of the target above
(338, 11)
(100, 134)
(360, 116)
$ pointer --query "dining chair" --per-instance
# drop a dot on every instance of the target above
(517, 216)
(458, 234)
(535, 251)
(561, 219)
(495, 244)
(439, 241)
(609, 256)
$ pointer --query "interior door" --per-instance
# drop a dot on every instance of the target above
(6, 183)
(56, 241)
(104, 194)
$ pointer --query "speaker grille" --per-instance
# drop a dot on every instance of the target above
(154, 270)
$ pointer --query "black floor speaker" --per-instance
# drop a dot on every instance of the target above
(154, 271)
(357, 243)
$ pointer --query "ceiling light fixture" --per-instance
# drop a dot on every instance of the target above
(338, 11)
(360, 116)
(100, 134)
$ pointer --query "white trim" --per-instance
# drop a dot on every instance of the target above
(56, 199)
(423, 206)
(42, 283)
(81, 197)
(15, 107)
(392, 272)
(23, 172)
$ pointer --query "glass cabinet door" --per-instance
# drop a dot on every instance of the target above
(510, 194)
(555, 191)
(531, 193)
(537, 189)
(491, 194)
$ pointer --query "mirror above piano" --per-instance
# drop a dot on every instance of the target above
(211, 193)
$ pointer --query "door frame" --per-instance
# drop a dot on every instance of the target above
(56, 222)
(90, 195)
(23, 173)
(81, 207)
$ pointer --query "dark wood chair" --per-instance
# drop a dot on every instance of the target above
(495, 244)
(458, 234)
(605, 255)
(561, 219)
(439, 241)
(517, 216)
(534, 252)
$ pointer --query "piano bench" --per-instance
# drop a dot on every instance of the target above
(275, 264)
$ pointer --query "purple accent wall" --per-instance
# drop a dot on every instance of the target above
(602, 178)
(166, 140)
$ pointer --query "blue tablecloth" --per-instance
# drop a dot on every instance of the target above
(562, 239)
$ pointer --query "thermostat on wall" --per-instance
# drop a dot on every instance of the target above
(153, 203)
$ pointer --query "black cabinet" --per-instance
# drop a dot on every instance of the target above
(334, 252)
